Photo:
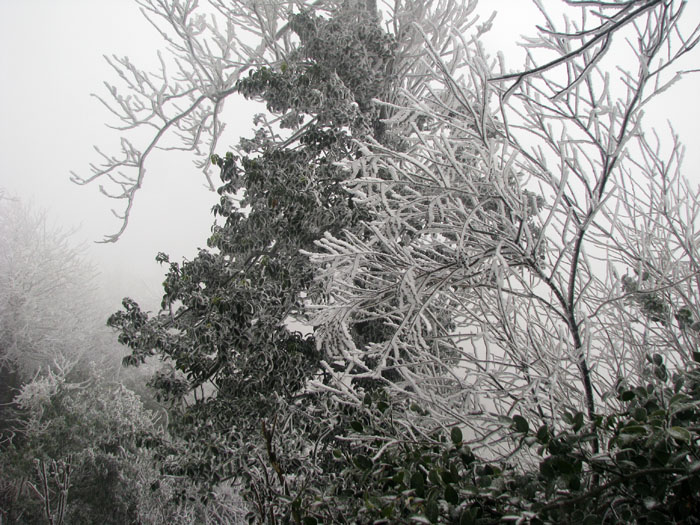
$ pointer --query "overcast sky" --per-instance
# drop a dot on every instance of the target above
(51, 59)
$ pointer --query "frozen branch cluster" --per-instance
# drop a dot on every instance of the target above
(178, 107)
(210, 47)
(531, 243)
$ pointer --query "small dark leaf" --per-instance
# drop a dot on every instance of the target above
(451, 495)
(627, 395)
(520, 424)
(661, 373)
(484, 481)
(418, 484)
(448, 477)
(356, 426)
(640, 414)
(431, 511)
(633, 429)
(679, 434)
(363, 462)
(456, 435)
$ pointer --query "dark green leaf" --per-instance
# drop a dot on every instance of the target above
(520, 424)
(627, 395)
(418, 484)
(633, 429)
(679, 433)
(356, 426)
(451, 495)
(640, 414)
(363, 462)
(431, 511)
(678, 399)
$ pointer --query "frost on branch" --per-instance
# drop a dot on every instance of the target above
(209, 49)
(529, 242)
(178, 107)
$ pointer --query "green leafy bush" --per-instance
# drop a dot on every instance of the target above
(648, 472)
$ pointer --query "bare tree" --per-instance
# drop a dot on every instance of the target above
(532, 243)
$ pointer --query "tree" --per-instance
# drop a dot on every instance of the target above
(78, 438)
(82, 452)
(225, 314)
(210, 49)
(453, 212)
(209, 60)
(49, 313)
(541, 215)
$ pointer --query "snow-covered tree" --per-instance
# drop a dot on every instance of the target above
(532, 242)
(484, 244)
(49, 308)
(239, 370)
(210, 47)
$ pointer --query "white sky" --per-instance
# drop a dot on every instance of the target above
(51, 59)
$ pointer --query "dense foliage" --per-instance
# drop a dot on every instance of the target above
(83, 452)
(228, 315)
(649, 471)
(447, 276)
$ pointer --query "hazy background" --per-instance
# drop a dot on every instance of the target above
(51, 59)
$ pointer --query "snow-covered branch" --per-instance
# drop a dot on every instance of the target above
(209, 48)
(528, 240)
